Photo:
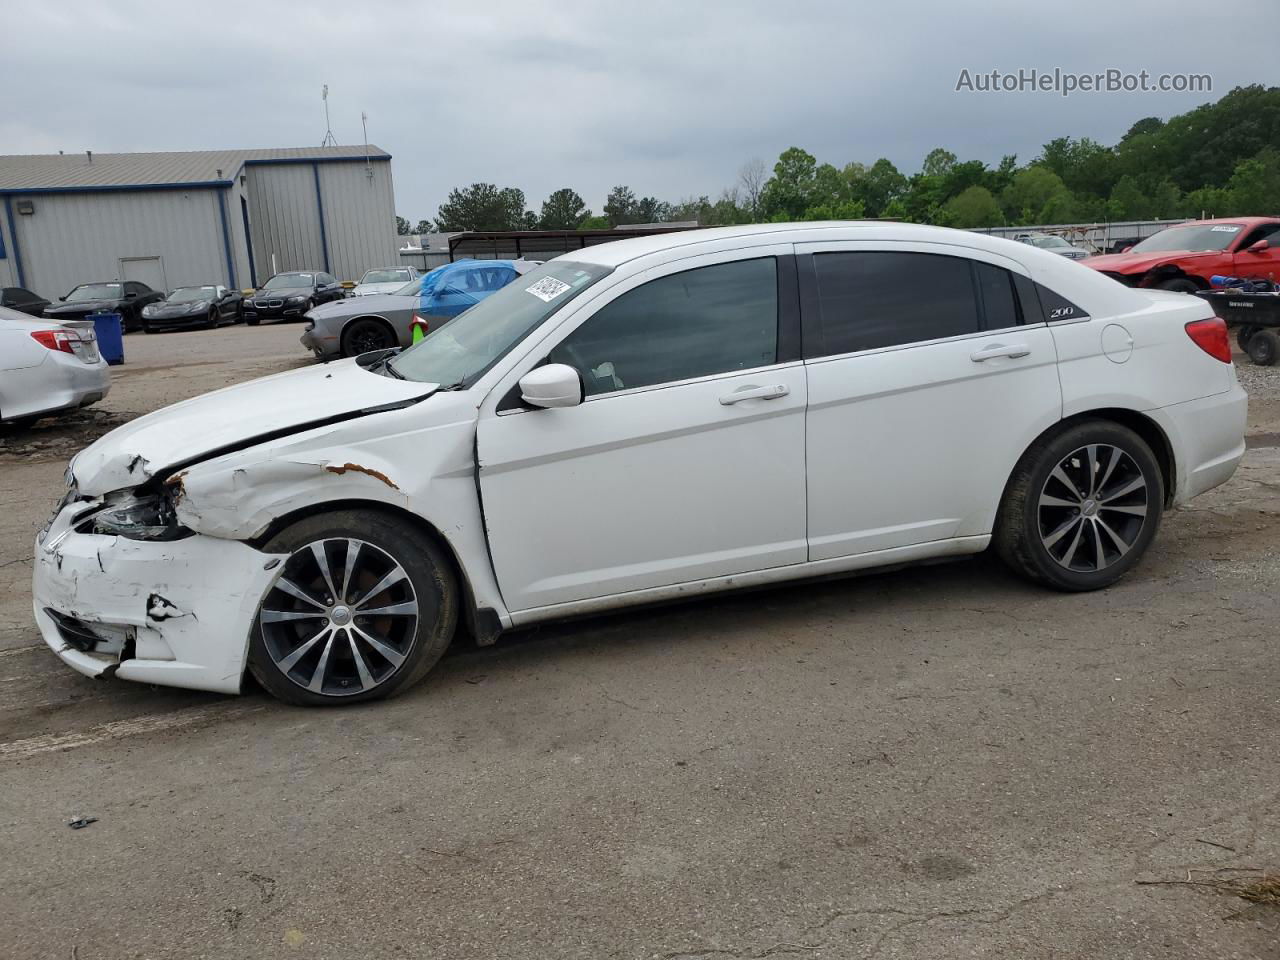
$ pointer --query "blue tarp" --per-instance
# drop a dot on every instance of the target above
(448, 290)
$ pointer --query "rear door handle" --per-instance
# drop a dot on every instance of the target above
(771, 392)
(1013, 351)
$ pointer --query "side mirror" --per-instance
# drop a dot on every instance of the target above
(1259, 247)
(553, 385)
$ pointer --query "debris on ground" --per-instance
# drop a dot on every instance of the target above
(79, 823)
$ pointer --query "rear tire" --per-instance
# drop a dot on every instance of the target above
(351, 656)
(1081, 507)
(1264, 348)
(1180, 285)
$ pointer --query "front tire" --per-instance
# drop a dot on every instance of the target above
(362, 609)
(365, 335)
(1081, 507)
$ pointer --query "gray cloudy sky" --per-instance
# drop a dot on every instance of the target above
(668, 97)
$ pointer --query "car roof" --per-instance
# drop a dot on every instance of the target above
(1247, 221)
(618, 252)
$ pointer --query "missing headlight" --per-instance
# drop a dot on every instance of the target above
(147, 517)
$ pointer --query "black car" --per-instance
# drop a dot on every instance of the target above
(287, 296)
(24, 301)
(125, 297)
(205, 306)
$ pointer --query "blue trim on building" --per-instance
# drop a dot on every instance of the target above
(248, 243)
(226, 237)
(121, 187)
(324, 234)
(13, 236)
(3, 255)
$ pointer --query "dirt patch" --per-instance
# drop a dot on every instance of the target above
(58, 438)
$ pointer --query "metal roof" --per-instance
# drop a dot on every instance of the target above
(122, 171)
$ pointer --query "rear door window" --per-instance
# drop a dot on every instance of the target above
(872, 299)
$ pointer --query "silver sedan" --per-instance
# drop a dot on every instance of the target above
(350, 327)
(47, 367)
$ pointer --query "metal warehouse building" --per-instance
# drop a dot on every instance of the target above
(176, 219)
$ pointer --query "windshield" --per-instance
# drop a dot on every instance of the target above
(287, 280)
(1049, 242)
(191, 294)
(1199, 238)
(95, 291)
(463, 349)
(385, 276)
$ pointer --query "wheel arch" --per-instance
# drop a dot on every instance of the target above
(1172, 271)
(476, 621)
(342, 334)
(1138, 422)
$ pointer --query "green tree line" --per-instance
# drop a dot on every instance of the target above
(1220, 159)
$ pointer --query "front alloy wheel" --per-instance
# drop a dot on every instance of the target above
(360, 609)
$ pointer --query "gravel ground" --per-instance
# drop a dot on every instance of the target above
(939, 762)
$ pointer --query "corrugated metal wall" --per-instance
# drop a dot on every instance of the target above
(78, 237)
(284, 218)
(360, 217)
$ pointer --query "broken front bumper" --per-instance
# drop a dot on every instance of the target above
(176, 613)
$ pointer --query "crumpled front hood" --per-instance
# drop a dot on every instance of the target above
(1139, 262)
(235, 416)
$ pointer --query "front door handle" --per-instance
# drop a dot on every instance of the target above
(771, 392)
(1013, 351)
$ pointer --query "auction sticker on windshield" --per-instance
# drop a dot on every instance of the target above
(547, 289)
(1225, 228)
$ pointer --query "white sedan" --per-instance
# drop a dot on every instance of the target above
(638, 421)
(47, 367)
(384, 280)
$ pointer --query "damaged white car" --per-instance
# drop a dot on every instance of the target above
(640, 421)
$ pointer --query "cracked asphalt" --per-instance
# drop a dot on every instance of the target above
(939, 762)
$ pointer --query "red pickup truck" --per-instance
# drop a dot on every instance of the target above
(1186, 256)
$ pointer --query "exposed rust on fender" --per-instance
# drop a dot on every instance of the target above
(176, 484)
(356, 468)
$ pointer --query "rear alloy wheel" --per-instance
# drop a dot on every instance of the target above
(1082, 507)
(365, 335)
(1264, 348)
(361, 609)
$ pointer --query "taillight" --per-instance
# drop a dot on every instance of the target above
(57, 339)
(1211, 337)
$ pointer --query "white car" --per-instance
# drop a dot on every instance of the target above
(644, 420)
(47, 367)
(1054, 244)
(384, 280)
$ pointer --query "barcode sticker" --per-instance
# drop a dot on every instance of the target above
(547, 289)
(1225, 228)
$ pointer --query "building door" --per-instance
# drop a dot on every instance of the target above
(148, 270)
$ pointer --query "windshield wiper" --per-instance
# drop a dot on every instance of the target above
(458, 385)
(388, 366)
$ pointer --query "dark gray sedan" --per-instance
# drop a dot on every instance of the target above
(358, 325)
